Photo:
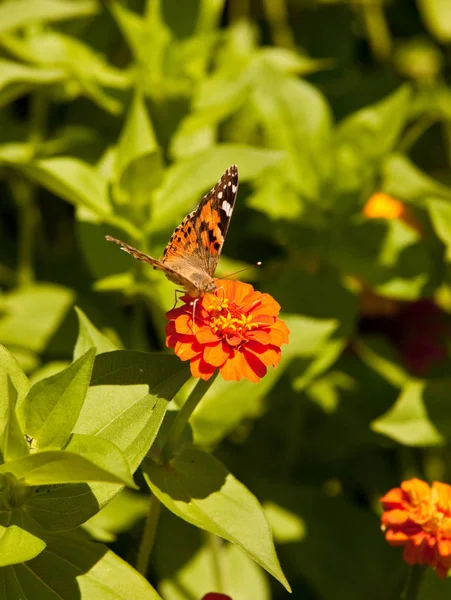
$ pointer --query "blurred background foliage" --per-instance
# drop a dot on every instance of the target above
(116, 117)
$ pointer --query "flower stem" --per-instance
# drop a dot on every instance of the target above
(414, 580)
(277, 16)
(183, 416)
(378, 32)
(148, 537)
(215, 546)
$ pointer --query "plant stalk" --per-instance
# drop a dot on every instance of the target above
(148, 537)
(414, 580)
(184, 415)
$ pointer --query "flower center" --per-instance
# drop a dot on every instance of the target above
(229, 321)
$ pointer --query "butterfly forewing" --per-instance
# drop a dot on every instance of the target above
(192, 254)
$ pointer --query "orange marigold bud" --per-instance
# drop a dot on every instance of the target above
(235, 329)
(418, 517)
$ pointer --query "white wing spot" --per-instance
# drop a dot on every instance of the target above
(227, 208)
(234, 189)
(220, 195)
(229, 184)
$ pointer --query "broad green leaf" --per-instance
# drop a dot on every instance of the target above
(72, 567)
(17, 79)
(440, 211)
(12, 441)
(373, 131)
(15, 153)
(10, 367)
(387, 254)
(77, 61)
(138, 169)
(403, 180)
(52, 406)
(18, 545)
(13, 388)
(17, 13)
(242, 578)
(73, 180)
(287, 527)
(378, 355)
(199, 489)
(55, 467)
(32, 314)
(128, 398)
(437, 18)
(419, 417)
(90, 337)
(297, 119)
(185, 182)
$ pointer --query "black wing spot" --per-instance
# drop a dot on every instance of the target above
(179, 239)
(217, 245)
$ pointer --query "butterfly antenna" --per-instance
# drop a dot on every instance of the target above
(257, 264)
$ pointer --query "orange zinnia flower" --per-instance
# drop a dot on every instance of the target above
(418, 517)
(236, 329)
(383, 206)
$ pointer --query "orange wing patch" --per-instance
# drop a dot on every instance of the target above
(183, 241)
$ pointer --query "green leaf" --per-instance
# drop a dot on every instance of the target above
(185, 182)
(296, 118)
(138, 169)
(18, 545)
(79, 63)
(10, 367)
(73, 180)
(133, 389)
(378, 355)
(13, 388)
(17, 79)
(32, 314)
(52, 406)
(199, 489)
(403, 180)
(71, 567)
(419, 416)
(241, 576)
(18, 13)
(387, 254)
(437, 18)
(90, 337)
(54, 467)
(374, 131)
(440, 212)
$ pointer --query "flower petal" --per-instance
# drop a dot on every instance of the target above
(236, 368)
(201, 369)
(205, 335)
(268, 355)
(217, 354)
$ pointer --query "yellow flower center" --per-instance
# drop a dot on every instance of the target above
(228, 319)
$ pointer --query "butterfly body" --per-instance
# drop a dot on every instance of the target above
(191, 256)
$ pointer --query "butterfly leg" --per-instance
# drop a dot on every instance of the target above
(176, 298)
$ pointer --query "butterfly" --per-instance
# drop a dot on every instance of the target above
(192, 254)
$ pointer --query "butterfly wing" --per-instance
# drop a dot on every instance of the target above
(199, 239)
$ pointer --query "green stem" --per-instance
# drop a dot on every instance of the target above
(417, 130)
(183, 417)
(215, 545)
(277, 16)
(148, 537)
(378, 33)
(414, 580)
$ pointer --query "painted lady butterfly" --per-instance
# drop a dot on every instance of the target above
(192, 254)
